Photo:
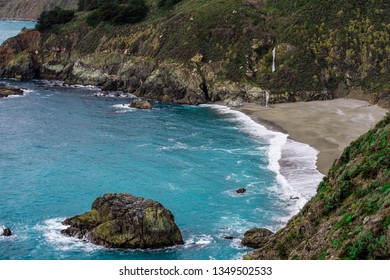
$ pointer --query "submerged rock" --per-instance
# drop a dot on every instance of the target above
(141, 104)
(228, 237)
(256, 237)
(7, 91)
(241, 190)
(7, 232)
(125, 221)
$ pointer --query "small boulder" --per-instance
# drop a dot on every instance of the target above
(241, 190)
(256, 237)
(197, 58)
(7, 232)
(125, 221)
(141, 104)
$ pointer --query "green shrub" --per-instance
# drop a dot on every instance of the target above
(48, 19)
(134, 12)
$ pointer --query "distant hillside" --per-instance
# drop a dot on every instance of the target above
(31, 9)
(349, 217)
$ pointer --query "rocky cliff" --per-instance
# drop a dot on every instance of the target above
(348, 218)
(31, 9)
(201, 51)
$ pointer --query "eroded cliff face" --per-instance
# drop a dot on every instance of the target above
(349, 217)
(22, 9)
(138, 59)
(201, 51)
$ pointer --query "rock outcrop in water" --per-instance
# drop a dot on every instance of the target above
(7, 232)
(125, 221)
(7, 91)
(141, 104)
(348, 218)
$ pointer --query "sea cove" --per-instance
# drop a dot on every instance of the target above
(62, 146)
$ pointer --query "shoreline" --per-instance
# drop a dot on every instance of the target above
(328, 126)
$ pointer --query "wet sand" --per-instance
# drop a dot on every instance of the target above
(328, 126)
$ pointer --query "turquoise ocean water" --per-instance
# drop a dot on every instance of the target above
(63, 146)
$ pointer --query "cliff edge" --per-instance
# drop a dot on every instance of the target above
(348, 218)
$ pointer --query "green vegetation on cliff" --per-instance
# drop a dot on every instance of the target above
(334, 43)
(133, 12)
(53, 18)
(323, 49)
(349, 217)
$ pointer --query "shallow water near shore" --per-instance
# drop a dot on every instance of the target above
(61, 147)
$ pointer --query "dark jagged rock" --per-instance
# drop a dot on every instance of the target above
(141, 104)
(241, 190)
(125, 221)
(256, 237)
(7, 91)
(7, 232)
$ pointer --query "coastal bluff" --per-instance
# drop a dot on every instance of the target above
(348, 218)
(125, 221)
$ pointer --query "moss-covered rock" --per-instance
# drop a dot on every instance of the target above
(7, 91)
(125, 221)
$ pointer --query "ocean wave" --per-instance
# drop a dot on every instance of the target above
(123, 108)
(200, 240)
(293, 163)
(51, 231)
(60, 83)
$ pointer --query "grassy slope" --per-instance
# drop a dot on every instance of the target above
(349, 217)
(220, 30)
(336, 41)
(320, 44)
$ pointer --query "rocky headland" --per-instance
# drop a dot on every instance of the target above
(175, 57)
(125, 221)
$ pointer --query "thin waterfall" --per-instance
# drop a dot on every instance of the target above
(273, 59)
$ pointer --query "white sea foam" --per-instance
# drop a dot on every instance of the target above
(177, 146)
(51, 229)
(299, 176)
(123, 108)
(200, 240)
(59, 83)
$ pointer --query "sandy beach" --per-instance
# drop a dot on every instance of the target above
(328, 126)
